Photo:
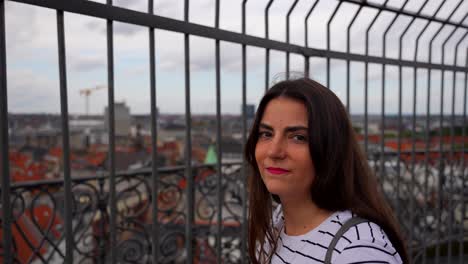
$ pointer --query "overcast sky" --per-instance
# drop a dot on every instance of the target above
(32, 72)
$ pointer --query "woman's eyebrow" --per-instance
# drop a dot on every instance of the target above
(287, 129)
(295, 128)
(265, 126)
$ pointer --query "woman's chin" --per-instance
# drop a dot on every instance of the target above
(277, 190)
(287, 193)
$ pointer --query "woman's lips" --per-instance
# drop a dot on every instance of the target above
(273, 170)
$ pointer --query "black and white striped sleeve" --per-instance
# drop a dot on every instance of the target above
(361, 251)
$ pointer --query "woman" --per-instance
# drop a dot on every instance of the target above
(303, 153)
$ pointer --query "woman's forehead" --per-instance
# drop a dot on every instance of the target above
(285, 111)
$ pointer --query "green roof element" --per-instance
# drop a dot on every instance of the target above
(211, 157)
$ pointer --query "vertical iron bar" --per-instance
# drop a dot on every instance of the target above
(455, 59)
(306, 39)
(366, 78)
(452, 155)
(426, 137)
(413, 129)
(267, 52)
(441, 152)
(328, 41)
(398, 180)
(244, 140)
(450, 158)
(111, 122)
(267, 69)
(413, 162)
(188, 145)
(306, 24)
(67, 184)
(287, 35)
(462, 235)
(441, 178)
(400, 91)
(366, 84)
(382, 131)
(4, 160)
(439, 190)
(348, 41)
(154, 140)
(440, 149)
(219, 188)
(426, 164)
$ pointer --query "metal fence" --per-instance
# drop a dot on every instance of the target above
(91, 217)
(115, 217)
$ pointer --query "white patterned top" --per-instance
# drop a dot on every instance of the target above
(363, 243)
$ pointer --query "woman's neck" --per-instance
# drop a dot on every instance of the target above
(302, 216)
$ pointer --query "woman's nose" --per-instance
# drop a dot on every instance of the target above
(277, 148)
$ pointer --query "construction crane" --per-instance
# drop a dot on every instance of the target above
(87, 92)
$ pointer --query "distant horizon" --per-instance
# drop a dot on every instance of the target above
(234, 114)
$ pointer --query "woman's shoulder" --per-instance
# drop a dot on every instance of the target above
(366, 241)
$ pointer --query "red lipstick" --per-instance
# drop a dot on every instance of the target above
(274, 170)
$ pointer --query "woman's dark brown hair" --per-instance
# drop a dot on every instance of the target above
(343, 179)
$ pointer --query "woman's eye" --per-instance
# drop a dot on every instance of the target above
(301, 138)
(264, 134)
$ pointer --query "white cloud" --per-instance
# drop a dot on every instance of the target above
(23, 34)
(31, 92)
(87, 63)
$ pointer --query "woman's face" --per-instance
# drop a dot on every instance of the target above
(282, 150)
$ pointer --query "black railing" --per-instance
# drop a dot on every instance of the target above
(38, 217)
(38, 220)
(113, 217)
